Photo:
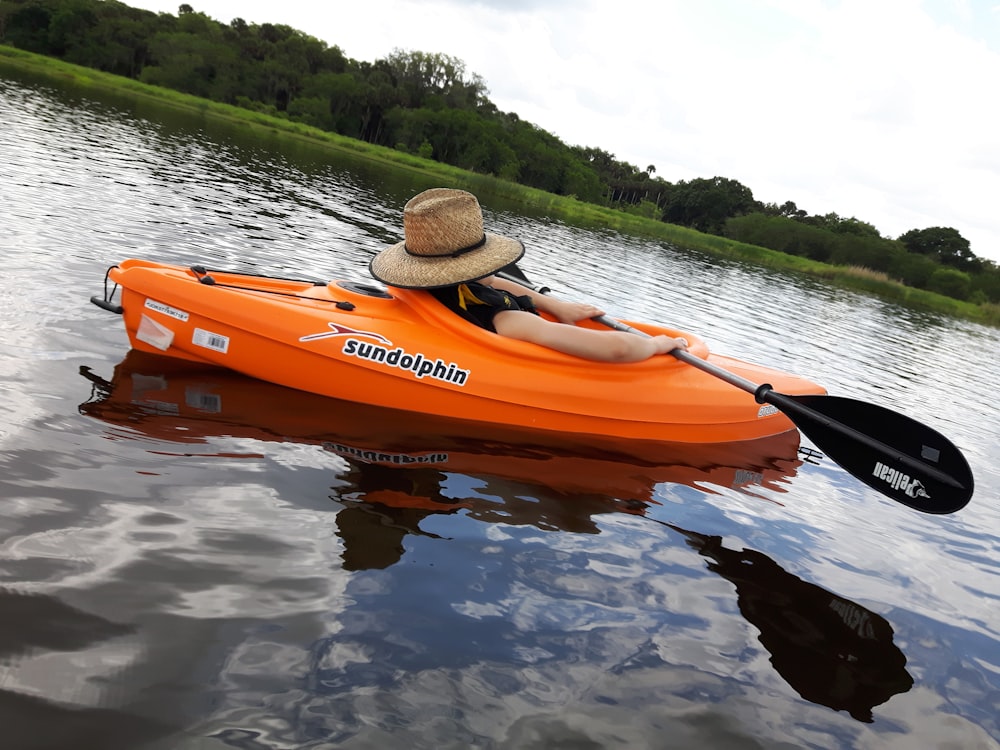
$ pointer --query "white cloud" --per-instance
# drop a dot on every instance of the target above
(882, 111)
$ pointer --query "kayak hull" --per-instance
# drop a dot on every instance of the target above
(401, 349)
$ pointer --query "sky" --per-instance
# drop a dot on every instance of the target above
(886, 111)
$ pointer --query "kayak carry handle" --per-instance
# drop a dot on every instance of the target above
(107, 305)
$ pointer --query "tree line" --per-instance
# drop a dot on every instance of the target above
(429, 104)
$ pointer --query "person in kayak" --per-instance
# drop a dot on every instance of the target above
(447, 252)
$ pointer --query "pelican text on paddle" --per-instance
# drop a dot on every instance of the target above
(417, 363)
(899, 480)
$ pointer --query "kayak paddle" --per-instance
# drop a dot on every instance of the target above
(894, 454)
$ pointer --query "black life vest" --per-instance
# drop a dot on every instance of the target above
(479, 303)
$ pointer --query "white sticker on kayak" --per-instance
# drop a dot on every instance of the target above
(152, 333)
(766, 410)
(173, 312)
(214, 341)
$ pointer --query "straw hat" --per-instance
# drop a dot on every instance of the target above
(445, 244)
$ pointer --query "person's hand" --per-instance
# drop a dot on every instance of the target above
(571, 312)
(666, 344)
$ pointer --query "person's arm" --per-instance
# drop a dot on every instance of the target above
(561, 310)
(588, 343)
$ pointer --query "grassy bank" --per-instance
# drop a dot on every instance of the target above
(569, 209)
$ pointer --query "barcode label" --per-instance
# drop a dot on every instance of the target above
(215, 341)
(201, 400)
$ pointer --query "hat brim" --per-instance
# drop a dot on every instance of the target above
(395, 267)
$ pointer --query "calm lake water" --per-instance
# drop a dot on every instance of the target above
(200, 561)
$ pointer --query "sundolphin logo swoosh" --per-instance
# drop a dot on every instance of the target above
(898, 480)
(338, 330)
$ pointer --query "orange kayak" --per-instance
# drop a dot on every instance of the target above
(403, 350)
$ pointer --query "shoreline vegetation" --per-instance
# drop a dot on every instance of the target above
(568, 208)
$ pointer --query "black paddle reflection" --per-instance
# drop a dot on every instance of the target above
(831, 650)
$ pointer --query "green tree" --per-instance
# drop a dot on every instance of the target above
(784, 235)
(987, 281)
(944, 245)
(312, 110)
(583, 182)
(342, 97)
(788, 209)
(189, 62)
(108, 36)
(422, 76)
(865, 251)
(855, 227)
(913, 270)
(70, 25)
(836, 223)
(26, 26)
(950, 282)
(706, 204)
(378, 96)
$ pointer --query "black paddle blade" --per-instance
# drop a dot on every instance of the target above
(514, 272)
(890, 452)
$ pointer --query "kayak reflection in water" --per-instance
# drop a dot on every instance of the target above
(831, 650)
(383, 505)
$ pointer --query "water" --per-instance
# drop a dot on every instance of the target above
(226, 572)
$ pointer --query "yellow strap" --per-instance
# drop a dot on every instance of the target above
(466, 295)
